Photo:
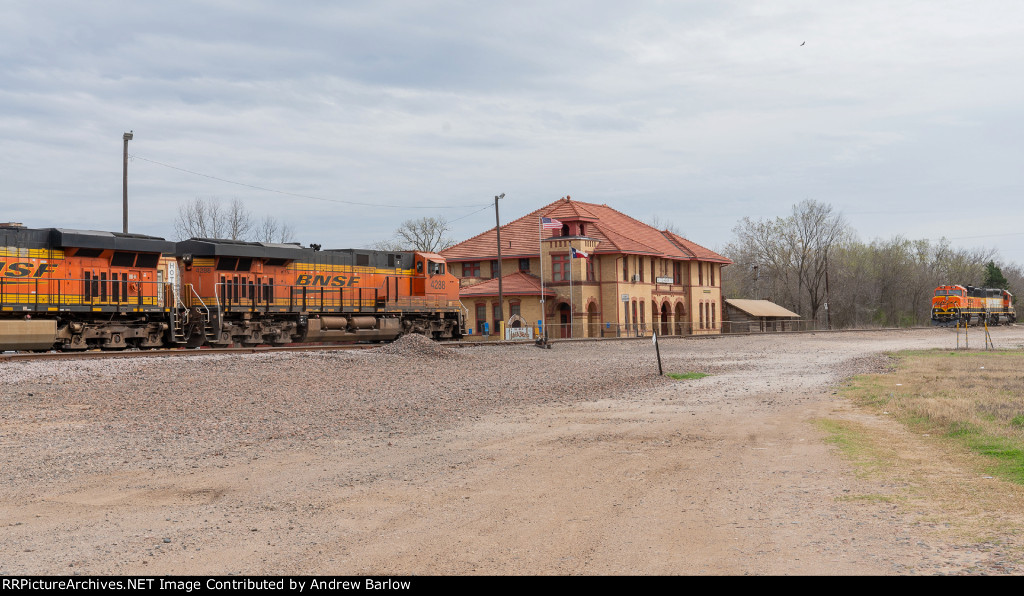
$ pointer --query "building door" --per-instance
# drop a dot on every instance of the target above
(593, 324)
(664, 318)
(565, 320)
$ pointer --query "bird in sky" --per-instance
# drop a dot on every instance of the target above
(803, 43)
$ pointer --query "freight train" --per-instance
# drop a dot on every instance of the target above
(968, 305)
(78, 289)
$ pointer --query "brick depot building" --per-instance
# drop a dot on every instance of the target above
(636, 280)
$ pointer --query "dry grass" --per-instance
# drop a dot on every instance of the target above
(948, 444)
(974, 397)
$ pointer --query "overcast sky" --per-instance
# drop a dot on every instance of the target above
(345, 118)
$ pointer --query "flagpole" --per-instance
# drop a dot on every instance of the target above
(540, 253)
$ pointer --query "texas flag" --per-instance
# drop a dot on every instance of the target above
(579, 254)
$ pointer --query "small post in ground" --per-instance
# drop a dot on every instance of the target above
(657, 350)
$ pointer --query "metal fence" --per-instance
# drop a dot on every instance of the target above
(612, 330)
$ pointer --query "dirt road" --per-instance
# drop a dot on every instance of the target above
(511, 460)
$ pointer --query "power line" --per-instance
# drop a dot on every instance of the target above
(292, 194)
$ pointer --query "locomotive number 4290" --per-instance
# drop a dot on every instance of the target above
(437, 284)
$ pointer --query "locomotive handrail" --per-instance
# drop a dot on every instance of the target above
(200, 298)
(41, 293)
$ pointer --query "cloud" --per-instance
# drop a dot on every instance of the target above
(699, 111)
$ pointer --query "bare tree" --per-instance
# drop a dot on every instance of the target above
(273, 230)
(665, 225)
(426, 234)
(239, 221)
(816, 230)
(791, 255)
(210, 218)
(198, 219)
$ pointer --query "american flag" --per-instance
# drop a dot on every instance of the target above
(548, 223)
(579, 254)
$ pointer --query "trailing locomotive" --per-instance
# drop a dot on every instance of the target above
(76, 290)
(952, 305)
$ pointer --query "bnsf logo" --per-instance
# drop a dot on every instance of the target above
(327, 281)
(25, 269)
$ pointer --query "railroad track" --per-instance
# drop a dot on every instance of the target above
(16, 356)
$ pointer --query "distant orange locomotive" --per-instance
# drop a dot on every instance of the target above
(76, 290)
(972, 306)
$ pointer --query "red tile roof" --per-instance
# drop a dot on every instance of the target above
(617, 232)
(514, 284)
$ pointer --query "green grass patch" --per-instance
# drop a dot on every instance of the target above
(856, 446)
(689, 375)
(974, 399)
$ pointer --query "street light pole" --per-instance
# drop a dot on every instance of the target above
(501, 296)
(127, 137)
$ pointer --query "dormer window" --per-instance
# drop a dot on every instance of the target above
(565, 229)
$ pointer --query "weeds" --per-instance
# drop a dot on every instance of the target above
(973, 398)
(689, 375)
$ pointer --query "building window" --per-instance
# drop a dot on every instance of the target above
(711, 268)
(640, 269)
(514, 309)
(700, 278)
(471, 269)
(560, 267)
(495, 269)
(643, 317)
(524, 265)
(714, 309)
(625, 268)
(497, 319)
(590, 269)
(481, 316)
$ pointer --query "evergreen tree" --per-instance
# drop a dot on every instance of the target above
(994, 277)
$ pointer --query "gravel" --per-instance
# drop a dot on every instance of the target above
(64, 422)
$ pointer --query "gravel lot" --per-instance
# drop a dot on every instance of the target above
(415, 458)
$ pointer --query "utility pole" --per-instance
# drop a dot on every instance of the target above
(127, 137)
(828, 313)
(501, 295)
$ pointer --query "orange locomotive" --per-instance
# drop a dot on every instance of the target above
(969, 305)
(76, 290)
(252, 293)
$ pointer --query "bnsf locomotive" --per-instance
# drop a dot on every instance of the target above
(77, 290)
(969, 305)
